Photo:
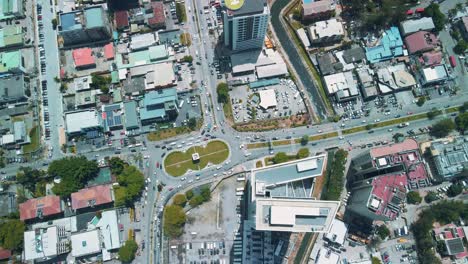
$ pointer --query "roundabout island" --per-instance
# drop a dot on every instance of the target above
(178, 163)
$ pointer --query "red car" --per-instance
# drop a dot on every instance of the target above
(157, 164)
(453, 61)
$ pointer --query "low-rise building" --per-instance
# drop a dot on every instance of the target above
(156, 76)
(11, 36)
(303, 37)
(160, 105)
(414, 25)
(84, 26)
(83, 58)
(389, 46)
(86, 244)
(395, 78)
(317, 10)
(453, 238)
(342, 85)
(434, 75)
(337, 234)
(45, 244)
(11, 9)
(367, 84)
(267, 99)
(11, 62)
(96, 197)
(328, 64)
(327, 31)
(142, 41)
(421, 41)
(13, 89)
(121, 19)
(85, 122)
(131, 115)
(431, 58)
(41, 208)
(112, 117)
(450, 156)
(158, 20)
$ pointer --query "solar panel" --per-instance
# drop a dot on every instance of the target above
(118, 120)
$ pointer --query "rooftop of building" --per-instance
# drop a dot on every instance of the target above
(327, 28)
(298, 215)
(317, 7)
(12, 88)
(83, 57)
(435, 73)
(112, 116)
(395, 148)
(421, 41)
(11, 35)
(40, 243)
(121, 18)
(92, 196)
(40, 207)
(415, 25)
(431, 58)
(108, 224)
(388, 192)
(327, 256)
(450, 155)
(341, 81)
(158, 14)
(338, 232)
(95, 17)
(77, 121)
(85, 243)
(131, 115)
(390, 45)
(244, 7)
(10, 60)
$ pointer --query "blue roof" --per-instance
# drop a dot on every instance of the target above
(160, 96)
(390, 46)
(112, 116)
(67, 21)
(131, 116)
(263, 83)
(308, 1)
(94, 17)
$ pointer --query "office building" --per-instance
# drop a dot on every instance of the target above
(160, 105)
(245, 24)
(450, 156)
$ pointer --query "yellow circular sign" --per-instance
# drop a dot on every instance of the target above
(234, 4)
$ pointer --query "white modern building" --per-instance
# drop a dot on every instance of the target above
(326, 31)
(245, 24)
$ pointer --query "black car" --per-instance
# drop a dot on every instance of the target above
(163, 147)
(157, 146)
(203, 132)
(162, 155)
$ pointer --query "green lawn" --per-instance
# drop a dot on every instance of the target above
(177, 163)
(34, 135)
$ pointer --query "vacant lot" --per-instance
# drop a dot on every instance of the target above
(178, 163)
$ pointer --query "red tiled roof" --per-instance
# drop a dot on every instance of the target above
(448, 234)
(121, 19)
(460, 232)
(49, 205)
(384, 188)
(5, 253)
(93, 196)
(317, 7)
(461, 255)
(431, 58)
(109, 51)
(158, 14)
(421, 41)
(407, 145)
(83, 57)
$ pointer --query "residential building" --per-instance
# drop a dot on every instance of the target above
(13, 89)
(112, 117)
(354, 55)
(380, 178)
(92, 198)
(431, 58)
(156, 76)
(317, 10)
(84, 26)
(414, 25)
(450, 157)
(421, 41)
(83, 122)
(245, 24)
(83, 58)
(389, 46)
(121, 19)
(325, 32)
(11, 36)
(45, 244)
(11, 62)
(86, 244)
(142, 41)
(160, 105)
(11, 9)
(152, 55)
(41, 208)
(158, 19)
(342, 85)
(434, 75)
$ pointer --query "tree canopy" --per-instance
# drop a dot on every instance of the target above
(431, 197)
(131, 183)
(100, 82)
(454, 190)
(116, 165)
(74, 173)
(30, 178)
(174, 220)
(335, 175)
(192, 123)
(413, 197)
(462, 122)
(127, 251)
(11, 234)
(223, 93)
(442, 128)
(280, 157)
(438, 17)
(304, 140)
(302, 153)
(433, 113)
(180, 200)
(382, 231)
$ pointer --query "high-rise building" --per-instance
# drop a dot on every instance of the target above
(245, 24)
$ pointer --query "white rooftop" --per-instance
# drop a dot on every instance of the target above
(326, 256)
(77, 121)
(272, 70)
(286, 215)
(109, 229)
(341, 81)
(307, 165)
(142, 41)
(40, 245)
(327, 28)
(436, 73)
(86, 243)
(161, 75)
(337, 232)
(415, 25)
(267, 98)
(303, 37)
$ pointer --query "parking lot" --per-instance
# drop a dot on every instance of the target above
(395, 252)
(209, 229)
(246, 102)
